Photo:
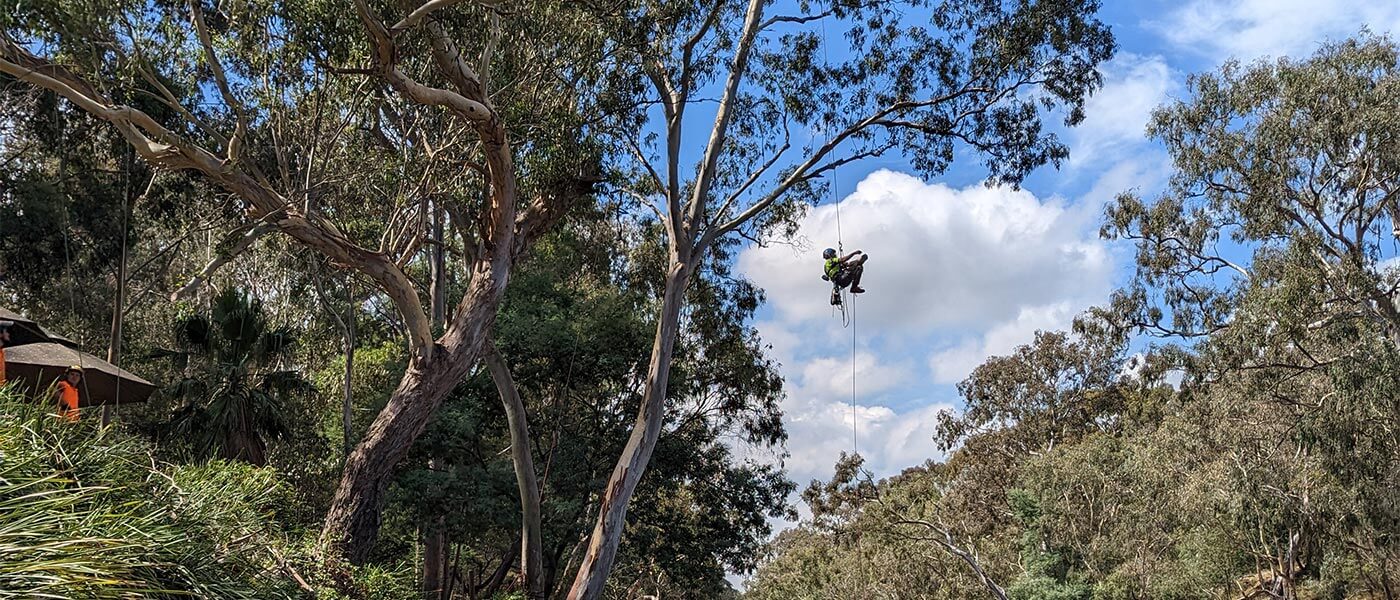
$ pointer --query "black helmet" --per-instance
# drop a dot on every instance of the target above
(829, 253)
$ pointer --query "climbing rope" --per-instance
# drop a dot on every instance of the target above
(854, 439)
(848, 315)
(67, 228)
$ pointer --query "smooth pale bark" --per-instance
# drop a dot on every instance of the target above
(348, 402)
(971, 559)
(612, 511)
(531, 542)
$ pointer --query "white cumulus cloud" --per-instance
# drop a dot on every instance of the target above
(940, 258)
(955, 275)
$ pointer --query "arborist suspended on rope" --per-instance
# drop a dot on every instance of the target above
(843, 271)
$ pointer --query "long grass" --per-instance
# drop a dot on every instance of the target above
(86, 512)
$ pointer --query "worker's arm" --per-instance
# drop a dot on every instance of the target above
(850, 256)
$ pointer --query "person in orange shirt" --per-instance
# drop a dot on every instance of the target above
(4, 339)
(68, 393)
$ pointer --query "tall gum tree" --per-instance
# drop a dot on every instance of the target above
(344, 127)
(1269, 257)
(928, 79)
(1294, 162)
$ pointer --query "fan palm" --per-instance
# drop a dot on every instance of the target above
(234, 384)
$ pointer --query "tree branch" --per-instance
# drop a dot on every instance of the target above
(250, 234)
(803, 171)
(385, 52)
(947, 543)
(720, 132)
(220, 81)
(755, 176)
(163, 148)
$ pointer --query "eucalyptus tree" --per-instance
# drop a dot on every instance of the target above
(570, 361)
(1294, 162)
(344, 127)
(928, 79)
(1269, 248)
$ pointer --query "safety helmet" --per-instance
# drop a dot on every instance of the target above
(829, 253)
(74, 369)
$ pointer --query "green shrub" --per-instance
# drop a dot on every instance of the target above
(88, 512)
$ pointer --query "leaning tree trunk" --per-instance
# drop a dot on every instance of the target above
(352, 521)
(612, 511)
(531, 542)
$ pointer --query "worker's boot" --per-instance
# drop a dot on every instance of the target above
(855, 289)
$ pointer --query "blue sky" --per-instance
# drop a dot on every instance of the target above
(960, 272)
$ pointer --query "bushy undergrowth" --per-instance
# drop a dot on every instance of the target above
(87, 512)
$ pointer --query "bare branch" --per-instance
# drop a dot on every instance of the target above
(454, 67)
(220, 81)
(971, 560)
(796, 20)
(641, 158)
(417, 15)
(385, 50)
(688, 50)
(720, 133)
(246, 236)
(805, 170)
(674, 111)
(754, 177)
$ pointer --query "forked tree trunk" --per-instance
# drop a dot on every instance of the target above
(352, 521)
(612, 511)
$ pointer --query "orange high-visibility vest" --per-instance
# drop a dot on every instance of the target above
(67, 401)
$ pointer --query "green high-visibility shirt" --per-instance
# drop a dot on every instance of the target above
(833, 266)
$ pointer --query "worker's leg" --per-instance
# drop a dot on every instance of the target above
(856, 272)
